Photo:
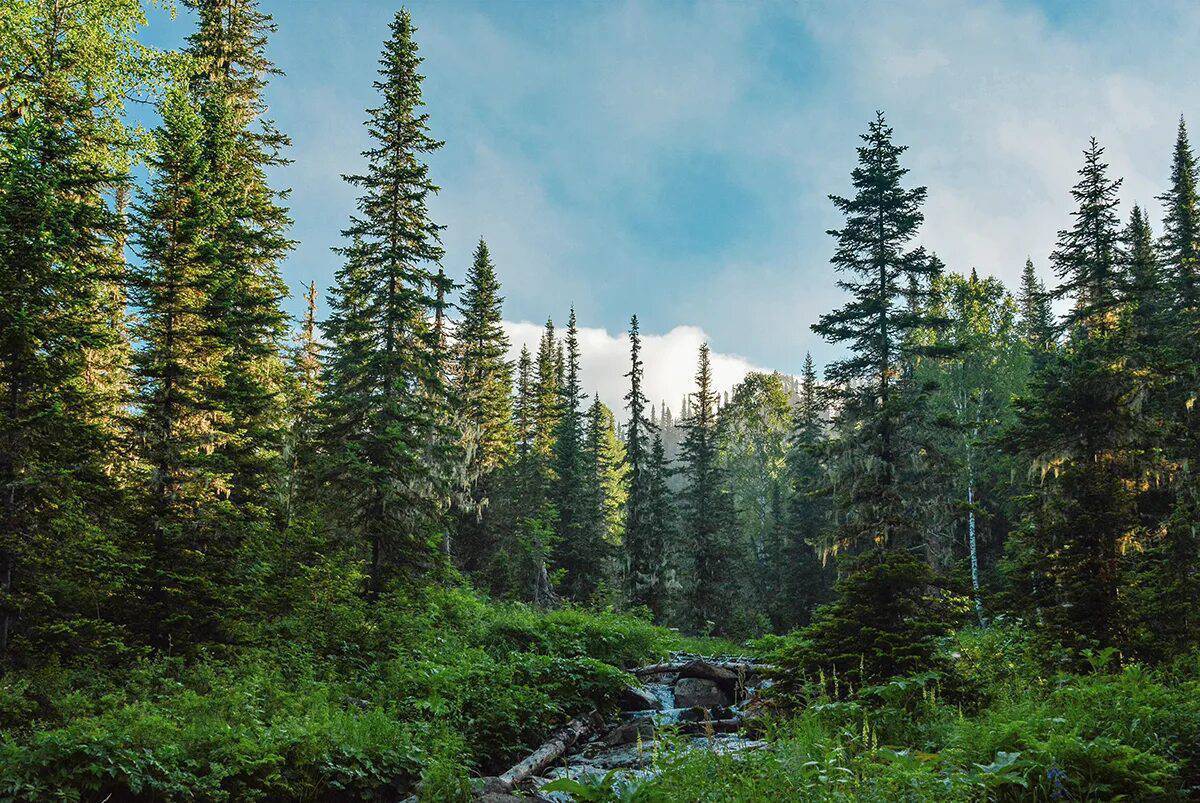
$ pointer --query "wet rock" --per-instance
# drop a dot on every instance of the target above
(634, 698)
(692, 692)
(629, 733)
(727, 679)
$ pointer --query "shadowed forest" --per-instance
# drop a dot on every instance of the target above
(365, 556)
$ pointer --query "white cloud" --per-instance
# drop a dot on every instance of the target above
(670, 362)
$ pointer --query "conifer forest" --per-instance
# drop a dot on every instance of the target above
(378, 550)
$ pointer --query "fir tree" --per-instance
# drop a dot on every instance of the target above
(247, 241)
(192, 556)
(1036, 318)
(706, 506)
(483, 379)
(805, 582)
(575, 554)
(64, 155)
(1180, 245)
(643, 573)
(304, 391)
(1078, 431)
(881, 220)
(391, 464)
(604, 458)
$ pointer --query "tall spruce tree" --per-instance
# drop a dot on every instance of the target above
(1180, 245)
(482, 378)
(247, 242)
(67, 71)
(873, 255)
(706, 508)
(643, 555)
(390, 463)
(805, 580)
(606, 471)
(1078, 428)
(871, 631)
(574, 552)
(192, 555)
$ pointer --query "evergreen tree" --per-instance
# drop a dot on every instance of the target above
(483, 379)
(877, 459)
(390, 463)
(804, 580)
(707, 509)
(192, 557)
(606, 472)
(643, 573)
(247, 241)
(66, 73)
(575, 553)
(1078, 429)
(304, 390)
(881, 220)
(1180, 245)
(1036, 318)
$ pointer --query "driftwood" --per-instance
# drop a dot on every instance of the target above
(544, 756)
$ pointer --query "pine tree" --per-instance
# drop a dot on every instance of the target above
(706, 507)
(643, 573)
(575, 554)
(247, 241)
(391, 464)
(192, 557)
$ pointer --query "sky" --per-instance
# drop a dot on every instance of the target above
(674, 160)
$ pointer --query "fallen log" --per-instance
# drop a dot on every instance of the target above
(676, 666)
(544, 756)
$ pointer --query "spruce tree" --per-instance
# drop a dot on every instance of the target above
(604, 459)
(805, 581)
(575, 554)
(64, 159)
(304, 391)
(391, 464)
(879, 268)
(1078, 429)
(706, 508)
(192, 556)
(1180, 244)
(247, 241)
(482, 379)
(643, 555)
(1036, 318)
(876, 461)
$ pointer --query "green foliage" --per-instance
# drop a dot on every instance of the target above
(428, 687)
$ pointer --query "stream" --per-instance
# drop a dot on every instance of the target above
(705, 701)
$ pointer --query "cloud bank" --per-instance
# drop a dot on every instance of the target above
(670, 361)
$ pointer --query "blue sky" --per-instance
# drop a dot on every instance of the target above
(673, 159)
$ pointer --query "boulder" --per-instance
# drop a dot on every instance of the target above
(629, 732)
(634, 698)
(727, 679)
(692, 691)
